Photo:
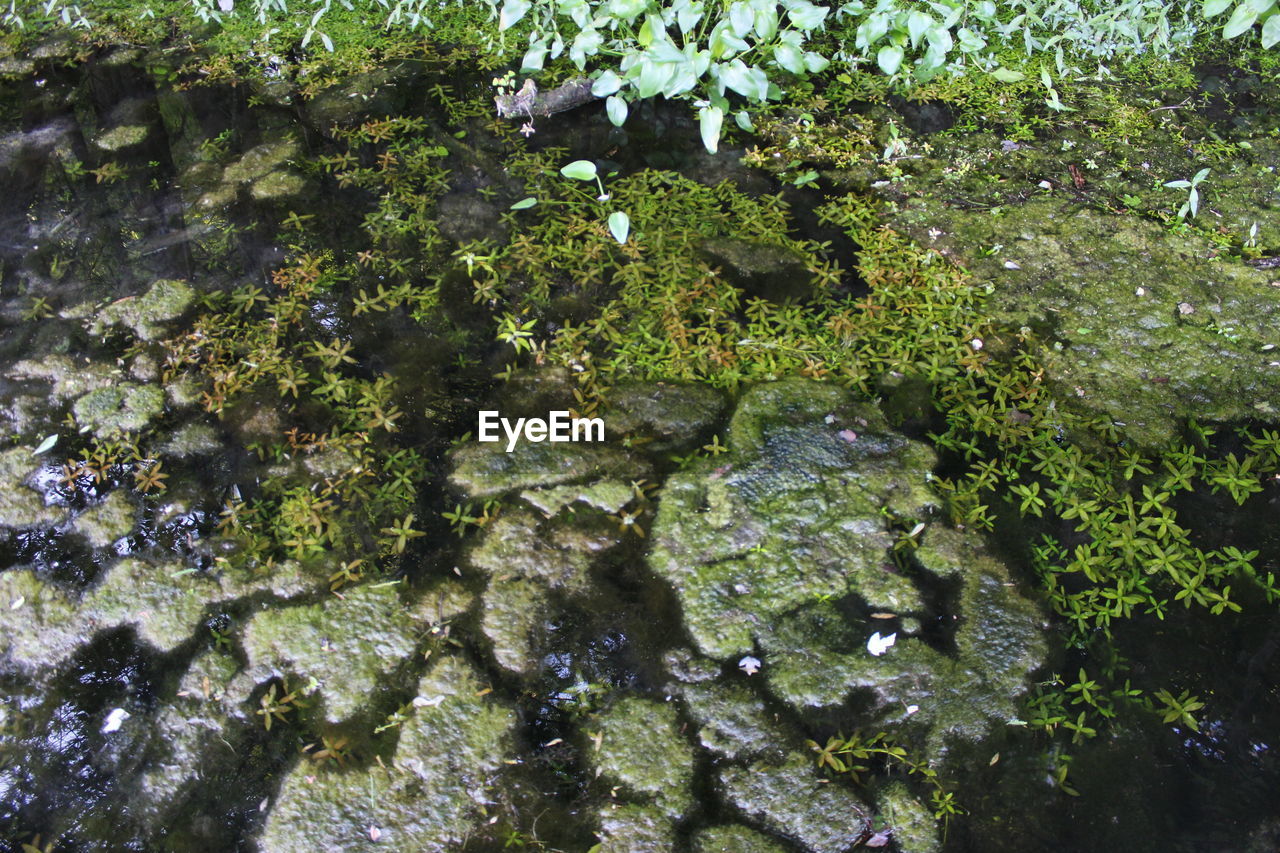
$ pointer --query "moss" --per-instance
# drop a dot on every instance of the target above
(913, 826)
(427, 796)
(789, 800)
(733, 839)
(108, 521)
(20, 505)
(147, 314)
(487, 470)
(193, 439)
(125, 136)
(115, 411)
(635, 828)
(641, 750)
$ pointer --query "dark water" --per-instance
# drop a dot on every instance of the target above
(70, 240)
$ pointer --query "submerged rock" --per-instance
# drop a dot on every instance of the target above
(147, 314)
(427, 797)
(783, 549)
(21, 506)
(1143, 327)
(119, 409)
(790, 800)
(108, 521)
(649, 767)
(346, 644)
(733, 839)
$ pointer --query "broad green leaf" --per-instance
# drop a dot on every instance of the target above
(626, 9)
(512, 12)
(688, 17)
(918, 24)
(653, 77)
(47, 444)
(1178, 185)
(743, 120)
(766, 22)
(1201, 175)
(534, 57)
(1008, 75)
(741, 19)
(806, 16)
(1271, 32)
(1194, 201)
(616, 109)
(813, 63)
(790, 58)
(606, 84)
(580, 170)
(619, 225)
(1213, 8)
(709, 121)
(1241, 21)
(889, 59)
(524, 203)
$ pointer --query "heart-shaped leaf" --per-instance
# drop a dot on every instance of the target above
(619, 226)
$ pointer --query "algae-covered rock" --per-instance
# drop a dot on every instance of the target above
(790, 800)
(641, 751)
(124, 136)
(113, 411)
(261, 160)
(38, 625)
(671, 416)
(346, 644)
(761, 269)
(486, 470)
(147, 314)
(912, 824)
(194, 439)
(631, 828)
(163, 601)
(733, 722)
(514, 611)
(21, 506)
(647, 765)
(69, 377)
(733, 839)
(108, 521)
(1143, 327)
(783, 548)
(428, 797)
(190, 742)
(792, 515)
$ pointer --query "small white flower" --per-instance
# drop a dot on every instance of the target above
(911, 709)
(878, 645)
(527, 129)
(603, 197)
(115, 719)
(749, 665)
(976, 343)
(1012, 265)
(226, 5)
(829, 419)
(1045, 185)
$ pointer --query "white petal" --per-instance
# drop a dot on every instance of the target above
(115, 719)
(749, 665)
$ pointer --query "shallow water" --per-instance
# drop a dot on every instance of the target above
(72, 240)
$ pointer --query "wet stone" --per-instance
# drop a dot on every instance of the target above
(111, 412)
(789, 800)
(107, 521)
(734, 839)
(429, 795)
(21, 506)
(912, 824)
(147, 314)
